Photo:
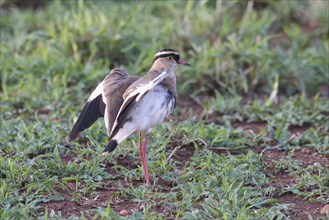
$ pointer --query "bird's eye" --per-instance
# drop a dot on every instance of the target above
(170, 58)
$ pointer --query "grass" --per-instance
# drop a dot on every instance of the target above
(254, 99)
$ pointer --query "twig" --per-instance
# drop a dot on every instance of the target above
(172, 153)
(279, 145)
(219, 148)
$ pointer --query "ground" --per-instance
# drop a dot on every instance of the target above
(301, 208)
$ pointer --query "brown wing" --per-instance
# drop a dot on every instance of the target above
(109, 90)
(115, 85)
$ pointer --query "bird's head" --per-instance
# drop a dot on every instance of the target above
(167, 60)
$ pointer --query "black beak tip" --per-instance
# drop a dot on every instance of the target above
(182, 62)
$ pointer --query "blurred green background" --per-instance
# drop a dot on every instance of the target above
(233, 47)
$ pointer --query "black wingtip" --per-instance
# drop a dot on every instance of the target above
(92, 110)
(70, 138)
(110, 146)
(74, 132)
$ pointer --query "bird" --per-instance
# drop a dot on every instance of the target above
(131, 104)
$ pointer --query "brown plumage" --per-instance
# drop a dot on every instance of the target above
(114, 83)
(132, 104)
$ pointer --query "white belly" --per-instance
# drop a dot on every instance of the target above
(152, 110)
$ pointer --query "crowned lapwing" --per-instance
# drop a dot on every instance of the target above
(132, 104)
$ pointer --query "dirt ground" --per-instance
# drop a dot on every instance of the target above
(301, 208)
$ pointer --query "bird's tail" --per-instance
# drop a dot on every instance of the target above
(110, 146)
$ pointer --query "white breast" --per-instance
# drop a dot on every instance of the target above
(153, 109)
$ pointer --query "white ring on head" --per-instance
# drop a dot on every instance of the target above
(166, 52)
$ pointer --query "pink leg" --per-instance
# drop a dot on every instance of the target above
(142, 152)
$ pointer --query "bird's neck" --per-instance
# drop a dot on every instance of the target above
(158, 67)
(170, 83)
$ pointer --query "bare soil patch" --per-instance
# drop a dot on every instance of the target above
(305, 157)
(182, 153)
(301, 209)
(299, 129)
(255, 126)
(88, 205)
(280, 180)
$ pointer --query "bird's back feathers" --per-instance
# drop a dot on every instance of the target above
(107, 93)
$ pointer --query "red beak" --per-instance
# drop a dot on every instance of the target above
(183, 62)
